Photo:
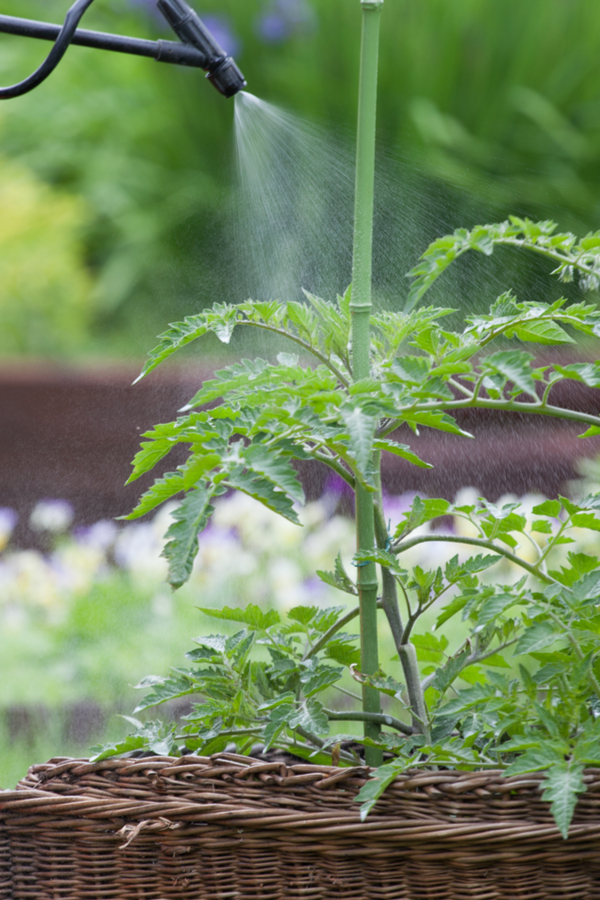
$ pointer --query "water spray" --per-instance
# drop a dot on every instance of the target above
(196, 46)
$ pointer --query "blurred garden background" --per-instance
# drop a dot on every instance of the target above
(117, 198)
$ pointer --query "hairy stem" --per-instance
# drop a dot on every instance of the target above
(304, 344)
(401, 546)
(335, 465)
(410, 666)
(538, 408)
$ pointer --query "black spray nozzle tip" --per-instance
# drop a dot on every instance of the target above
(227, 77)
(221, 69)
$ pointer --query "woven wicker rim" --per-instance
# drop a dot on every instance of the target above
(162, 793)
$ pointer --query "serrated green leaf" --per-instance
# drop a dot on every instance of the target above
(341, 650)
(275, 469)
(494, 607)
(515, 366)
(178, 335)
(181, 549)
(401, 450)
(310, 717)
(564, 781)
(587, 373)
(429, 647)
(361, 431)
(145, 459)
(250, 615)
(278, 720)
(451, 609)
(170, 689)
(432, 419)
(537, 637)
(339, 578)
(262, 489)
(163, 489)
(370, 792)
(323, 678)
(547, 508)
(544, 332)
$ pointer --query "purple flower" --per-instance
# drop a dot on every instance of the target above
(282, 18)
(273, 28)
(150, 7)
(8, 519)
(220, 29)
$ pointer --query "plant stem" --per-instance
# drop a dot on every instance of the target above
(379, 718)
(326, 637)
(410, 667)
(400, 547)
(360, 307)
(540, 409)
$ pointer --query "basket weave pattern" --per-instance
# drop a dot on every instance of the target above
(231, 828)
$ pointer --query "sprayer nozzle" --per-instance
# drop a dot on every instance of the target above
(221, 69)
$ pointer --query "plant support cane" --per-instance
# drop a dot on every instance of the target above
(360, 307)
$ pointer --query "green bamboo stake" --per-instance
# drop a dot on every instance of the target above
(360, 307)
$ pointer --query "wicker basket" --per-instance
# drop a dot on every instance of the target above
(231, 827)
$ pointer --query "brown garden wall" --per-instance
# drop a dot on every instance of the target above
(71, 433)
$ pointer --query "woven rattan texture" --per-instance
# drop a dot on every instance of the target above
(231, 828)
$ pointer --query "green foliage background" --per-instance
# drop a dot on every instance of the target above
(487, 108)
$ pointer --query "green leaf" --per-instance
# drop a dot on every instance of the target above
(587, 373)
(432, 419)
(382, 557)
(535, 759)
(550, 508)
(310, 717)
(163, 489)
(563, 783)
(342, 650)
(323, 678)
(536, 637)
(251, 615)
(451, 609)
(370, 792)
(455, 571)
(411, 369)
(515, 366)
(275, 469)
(189, 520)
(339, 578)
(165, 689)
(545, 332)
(401, 450)
(146, 458)
(361, 430)
(593, 431)
(277, 722)
(444, 677)
(178, 335)
(196, 468)
(429, 647)
(262, 490)
(494, 607)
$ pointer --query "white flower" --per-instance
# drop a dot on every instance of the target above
(54, 516)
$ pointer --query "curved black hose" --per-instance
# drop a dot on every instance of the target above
(59, 49)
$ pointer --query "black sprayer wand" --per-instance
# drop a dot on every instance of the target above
(196, 46)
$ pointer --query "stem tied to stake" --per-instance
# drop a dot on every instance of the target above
(360, 307)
